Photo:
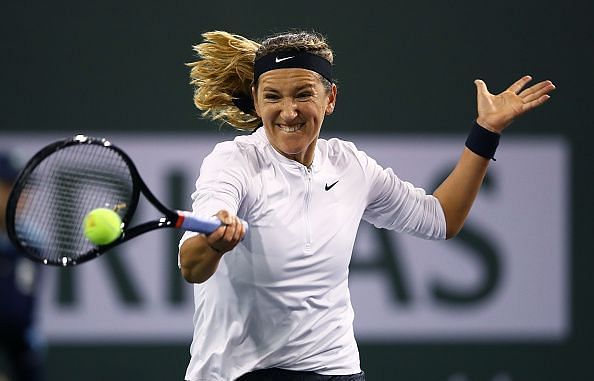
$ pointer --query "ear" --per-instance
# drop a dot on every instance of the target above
(255, 99)
(331, 100)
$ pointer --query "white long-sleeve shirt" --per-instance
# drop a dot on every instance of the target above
(280, 298)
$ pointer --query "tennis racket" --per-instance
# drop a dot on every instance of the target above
(65, 181)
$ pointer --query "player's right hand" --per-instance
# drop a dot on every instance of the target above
(228, 235)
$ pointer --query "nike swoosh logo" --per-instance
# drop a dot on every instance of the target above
(277, 60)
(328, 187)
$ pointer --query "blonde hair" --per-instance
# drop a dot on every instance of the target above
(310, 42)
(224, 71)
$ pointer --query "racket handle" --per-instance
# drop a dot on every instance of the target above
(190, 222)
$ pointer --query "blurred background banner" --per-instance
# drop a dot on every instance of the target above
(511, 298)
(506, 278)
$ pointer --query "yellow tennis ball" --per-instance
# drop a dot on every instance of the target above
(102, 226)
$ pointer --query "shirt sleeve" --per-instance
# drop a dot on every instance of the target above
(220, 185)
(398, 205)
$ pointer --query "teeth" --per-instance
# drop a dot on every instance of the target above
(290, 128)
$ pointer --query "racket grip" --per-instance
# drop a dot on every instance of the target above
(208, 225)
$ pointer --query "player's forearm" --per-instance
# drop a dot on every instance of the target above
(458, 191)
(198, 259)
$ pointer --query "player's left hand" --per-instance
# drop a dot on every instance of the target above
(496, 112)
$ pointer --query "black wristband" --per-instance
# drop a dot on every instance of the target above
(482, 141)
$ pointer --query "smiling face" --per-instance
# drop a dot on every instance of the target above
(292, 104)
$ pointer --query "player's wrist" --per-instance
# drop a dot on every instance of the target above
(494, 125)
(482, 141)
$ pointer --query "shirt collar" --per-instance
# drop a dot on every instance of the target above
(260, 134)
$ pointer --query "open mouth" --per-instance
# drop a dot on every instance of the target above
(291, 128)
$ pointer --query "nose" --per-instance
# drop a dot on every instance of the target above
(288, 110)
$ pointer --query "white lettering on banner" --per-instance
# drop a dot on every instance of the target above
(506, 277)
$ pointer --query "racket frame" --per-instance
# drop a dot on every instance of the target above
(170, 218)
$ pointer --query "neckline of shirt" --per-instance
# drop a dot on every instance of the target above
(260, 133)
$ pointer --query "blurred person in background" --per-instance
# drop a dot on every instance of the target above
(19, 342)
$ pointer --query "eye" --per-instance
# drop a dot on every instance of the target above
(271, 96)
(304, 95)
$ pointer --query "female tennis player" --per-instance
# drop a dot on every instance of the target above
(273, 303)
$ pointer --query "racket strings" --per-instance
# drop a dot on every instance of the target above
(61, 190)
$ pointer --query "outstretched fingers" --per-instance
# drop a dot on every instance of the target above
(536, 102)
(517, 86)
(537, 91)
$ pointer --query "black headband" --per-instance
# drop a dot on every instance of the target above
(283, 60)
(292, 59)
